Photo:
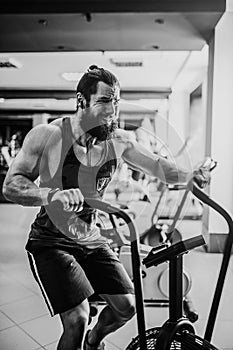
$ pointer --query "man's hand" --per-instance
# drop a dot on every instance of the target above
(202, 175)
(72, 199)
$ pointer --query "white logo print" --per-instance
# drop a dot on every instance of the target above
(102, 183)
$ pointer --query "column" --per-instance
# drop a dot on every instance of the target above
(220, 119)
(179, 109)
(40, 118)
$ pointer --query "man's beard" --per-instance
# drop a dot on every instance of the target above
(101, 131)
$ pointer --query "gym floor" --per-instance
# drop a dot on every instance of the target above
(25, 323)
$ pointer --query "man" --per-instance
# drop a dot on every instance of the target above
(75, 158)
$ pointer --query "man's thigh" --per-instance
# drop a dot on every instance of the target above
(106, 273)
(61, 279)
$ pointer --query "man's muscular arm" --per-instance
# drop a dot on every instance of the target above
(138, 157)
(31, 162)
(19, 186)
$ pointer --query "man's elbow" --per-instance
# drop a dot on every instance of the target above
(6, 189)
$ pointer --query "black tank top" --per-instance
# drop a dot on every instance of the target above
(53, 226)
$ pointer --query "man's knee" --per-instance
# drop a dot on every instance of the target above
(127, 310)
(76, 318)
(124, 306)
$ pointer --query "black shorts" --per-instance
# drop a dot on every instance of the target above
(68, 276)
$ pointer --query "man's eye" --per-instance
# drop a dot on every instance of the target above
(105, 101)
(110, 101)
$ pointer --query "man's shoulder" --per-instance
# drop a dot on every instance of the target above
(58, 122)
(42, 135)
(47, 130)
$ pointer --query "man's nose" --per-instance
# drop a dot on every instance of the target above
(111, 108)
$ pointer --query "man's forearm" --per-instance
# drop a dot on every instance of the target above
(22, 190)
(169, 173)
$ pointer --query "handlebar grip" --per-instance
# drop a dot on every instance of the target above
(102, 205)
(208, 164)
(92, 202)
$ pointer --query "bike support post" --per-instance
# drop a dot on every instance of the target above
(175, 288)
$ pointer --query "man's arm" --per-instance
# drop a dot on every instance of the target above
(138, 157)
(19, 186)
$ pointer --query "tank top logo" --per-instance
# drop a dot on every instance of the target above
(102, 183)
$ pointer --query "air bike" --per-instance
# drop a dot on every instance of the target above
(177, 332)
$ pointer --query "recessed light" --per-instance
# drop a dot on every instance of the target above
(159, 20)
(88, 16)
(43, 22)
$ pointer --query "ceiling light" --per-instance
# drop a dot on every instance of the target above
(72, 76)
(126, 62)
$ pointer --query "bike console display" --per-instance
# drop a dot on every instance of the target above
(163, 253)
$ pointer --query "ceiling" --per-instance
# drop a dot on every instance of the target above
(105, 31)
(147, 44)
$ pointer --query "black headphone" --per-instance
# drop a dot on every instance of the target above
(80, 102)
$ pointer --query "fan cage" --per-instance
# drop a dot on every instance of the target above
(182, 341)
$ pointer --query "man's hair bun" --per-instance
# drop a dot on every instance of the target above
(87, 85)
(93, 67)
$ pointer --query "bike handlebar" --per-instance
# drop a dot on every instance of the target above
(108, 208)
(208, 164)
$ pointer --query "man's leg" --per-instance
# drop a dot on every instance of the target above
(119, 310)
(74, 323)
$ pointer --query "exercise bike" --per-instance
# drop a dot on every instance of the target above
(160, 233)
(177, 332)
(155, 286)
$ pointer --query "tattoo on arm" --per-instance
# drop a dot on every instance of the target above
(23, 191)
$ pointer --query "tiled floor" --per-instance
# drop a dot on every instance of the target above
(24, 320)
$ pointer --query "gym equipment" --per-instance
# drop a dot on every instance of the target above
(158, 233)
(155, 281)
(177, 332)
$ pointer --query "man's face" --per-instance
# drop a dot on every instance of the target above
(99, 119)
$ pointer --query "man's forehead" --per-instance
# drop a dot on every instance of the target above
(108, 91)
